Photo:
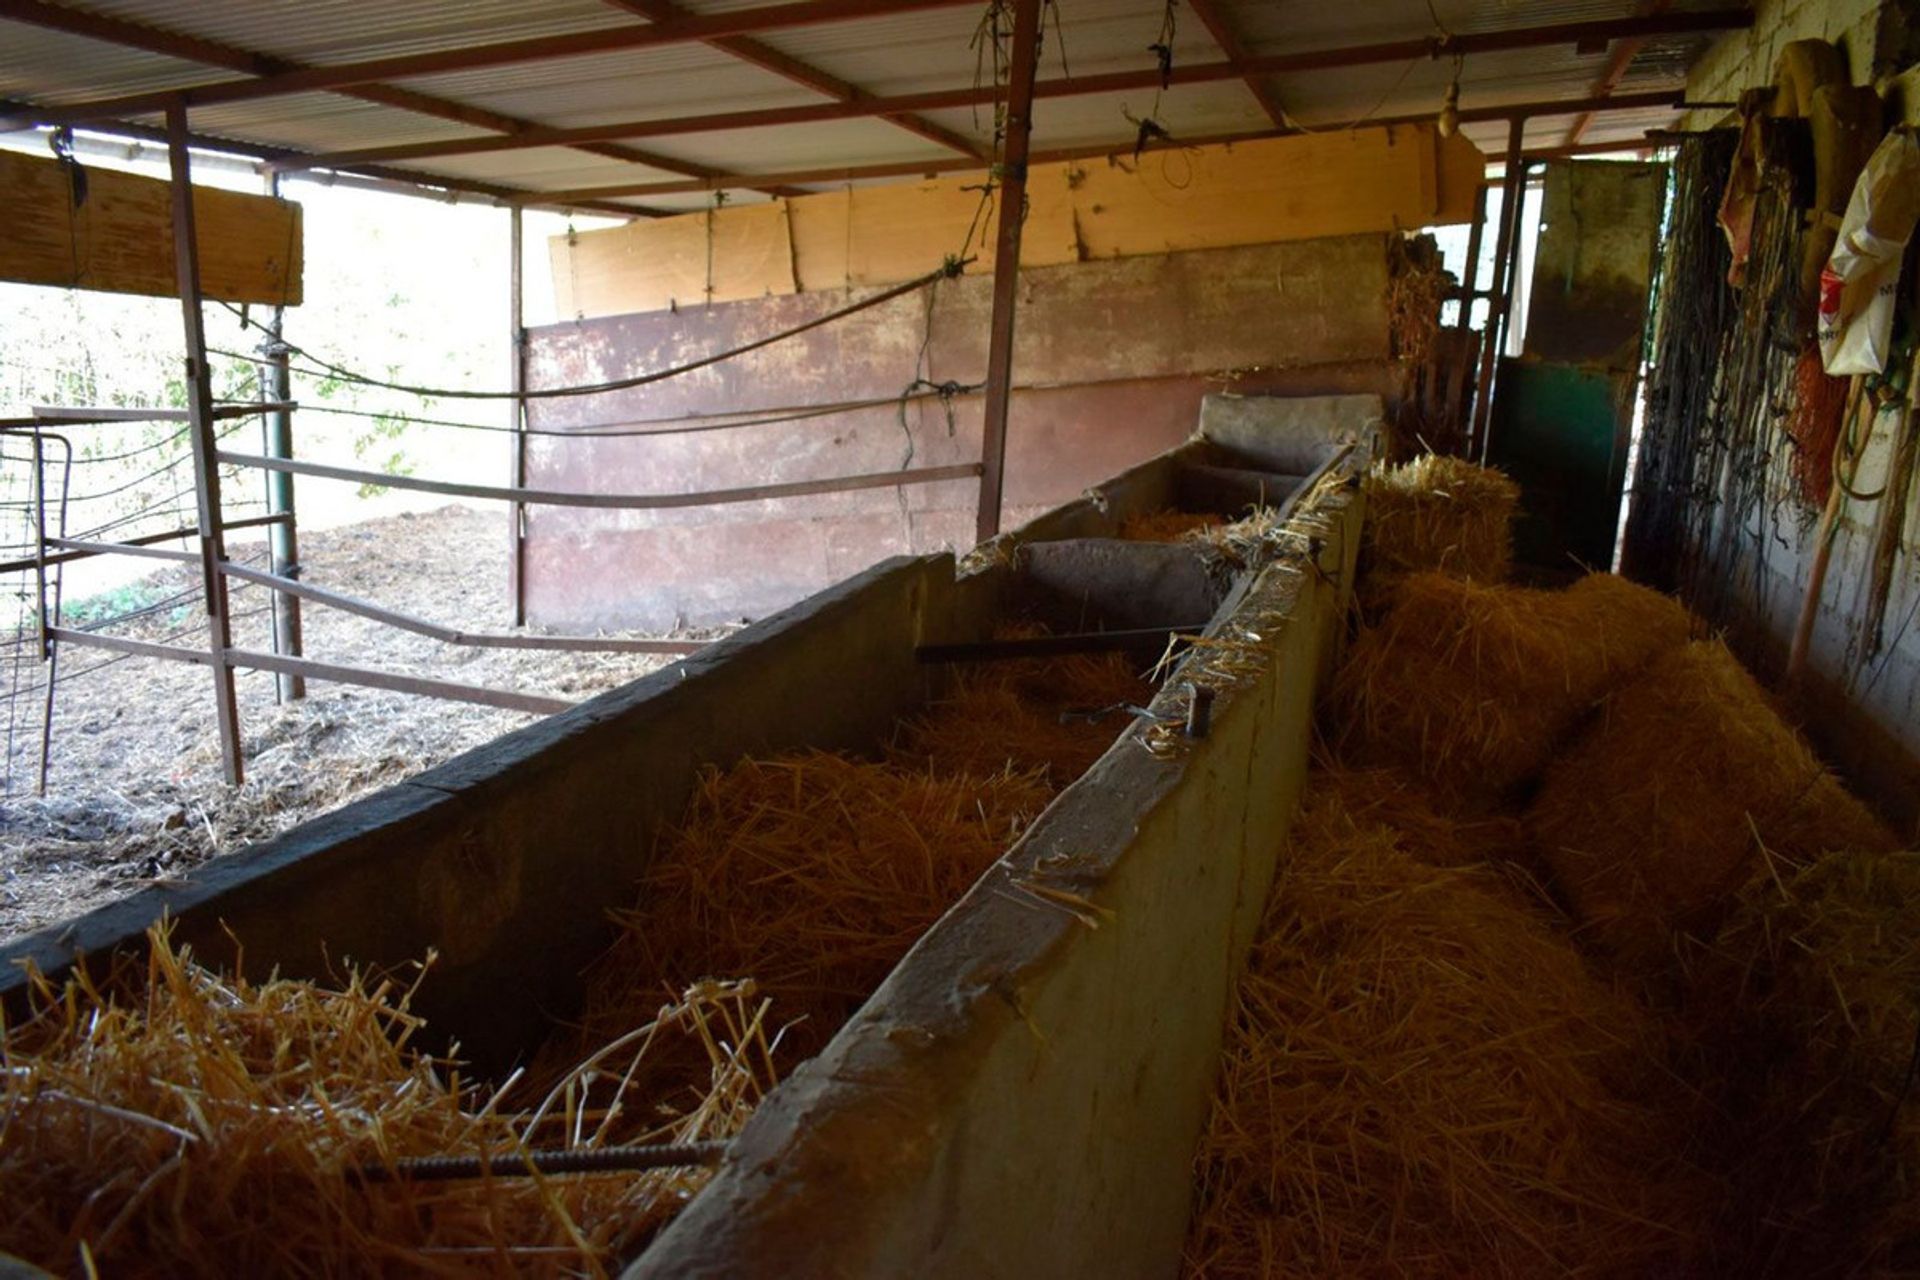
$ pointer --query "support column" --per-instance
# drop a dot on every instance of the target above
(206, 472)
(283, 540)
(1006, 263)
(517, 467)
(1513, 195)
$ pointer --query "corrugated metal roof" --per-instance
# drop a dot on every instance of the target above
(889, 54)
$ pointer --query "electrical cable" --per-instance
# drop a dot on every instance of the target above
(951, 268)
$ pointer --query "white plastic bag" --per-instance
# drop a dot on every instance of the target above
(1857, 288)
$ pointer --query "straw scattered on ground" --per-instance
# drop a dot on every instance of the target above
(1662, 808)
(1438, 514)
(174, 1121)
(1422, 1078)
(1470, 687)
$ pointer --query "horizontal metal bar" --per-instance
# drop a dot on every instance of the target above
(607, 501)
(923, 168)
(1045, 646)
(123, 549)
(313, 670)
(77, 415)
(145, 540)
(252, 660)
(449, 635)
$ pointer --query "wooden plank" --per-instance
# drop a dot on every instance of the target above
(654, 264)
(1227, 195)
(119, 238)
(1462, 172)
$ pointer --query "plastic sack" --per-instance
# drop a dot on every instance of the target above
(1857, 287)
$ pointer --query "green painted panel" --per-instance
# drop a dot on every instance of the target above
(1562, 432)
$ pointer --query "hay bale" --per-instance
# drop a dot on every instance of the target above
(1167, 525)
(813, 873)
(1437, 514)
(1658, 813)
(1470, 687)
(1804, 1011)
(1422, 1079)
(173, 1121)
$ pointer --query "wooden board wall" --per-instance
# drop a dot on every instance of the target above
(120, 237)
(1268, 191)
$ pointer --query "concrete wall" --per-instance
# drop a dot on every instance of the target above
(506, 859)
(1862, 706)
(1023, 1096)
(1114, 356)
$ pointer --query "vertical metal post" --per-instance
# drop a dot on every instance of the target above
(1006, 263)
(40, 543)
(1513, 194)
(1470, 282)
(283, 541)
(517, 468)
(206, 472)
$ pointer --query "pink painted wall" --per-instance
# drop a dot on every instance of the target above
(1111, 360)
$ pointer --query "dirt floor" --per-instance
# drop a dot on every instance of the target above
(134, 793)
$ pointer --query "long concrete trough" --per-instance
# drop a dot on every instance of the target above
(1023, 1095)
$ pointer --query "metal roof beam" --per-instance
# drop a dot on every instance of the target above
(1624, 52)
(685, 30)
(760, 54)
(927, 168)
(214, 53)
(1228, 39)
(427, 186)
(1269, 64)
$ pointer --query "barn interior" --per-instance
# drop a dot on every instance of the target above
(1096, 638)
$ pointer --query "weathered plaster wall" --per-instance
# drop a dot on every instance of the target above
(1112, 359)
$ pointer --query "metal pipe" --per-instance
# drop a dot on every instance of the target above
(206, 474)
(1006, 265)
(283, 540)
(517, 408)
(145, 540)
(1513, 194)
(610, 501)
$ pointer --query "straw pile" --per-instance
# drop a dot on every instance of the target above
(812, 872)
(1055, 716)
(171, 1121)
(1437, 514)
(1167, 525)
(1658, 813)
(1421, 1078)
(1805, 1011)
(1470, 687)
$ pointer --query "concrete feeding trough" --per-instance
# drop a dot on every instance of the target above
(1031, 1080)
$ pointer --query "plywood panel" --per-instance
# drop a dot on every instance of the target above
(723, 255)
(119, 238)
(1276, 190)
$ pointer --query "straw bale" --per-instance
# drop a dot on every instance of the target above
(1658, 812)
(812, 872)
(1470, 687)
(1804, 1011)
(1421, 1078)
(1438, 514)
(171, 1121)
(1166, 525)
